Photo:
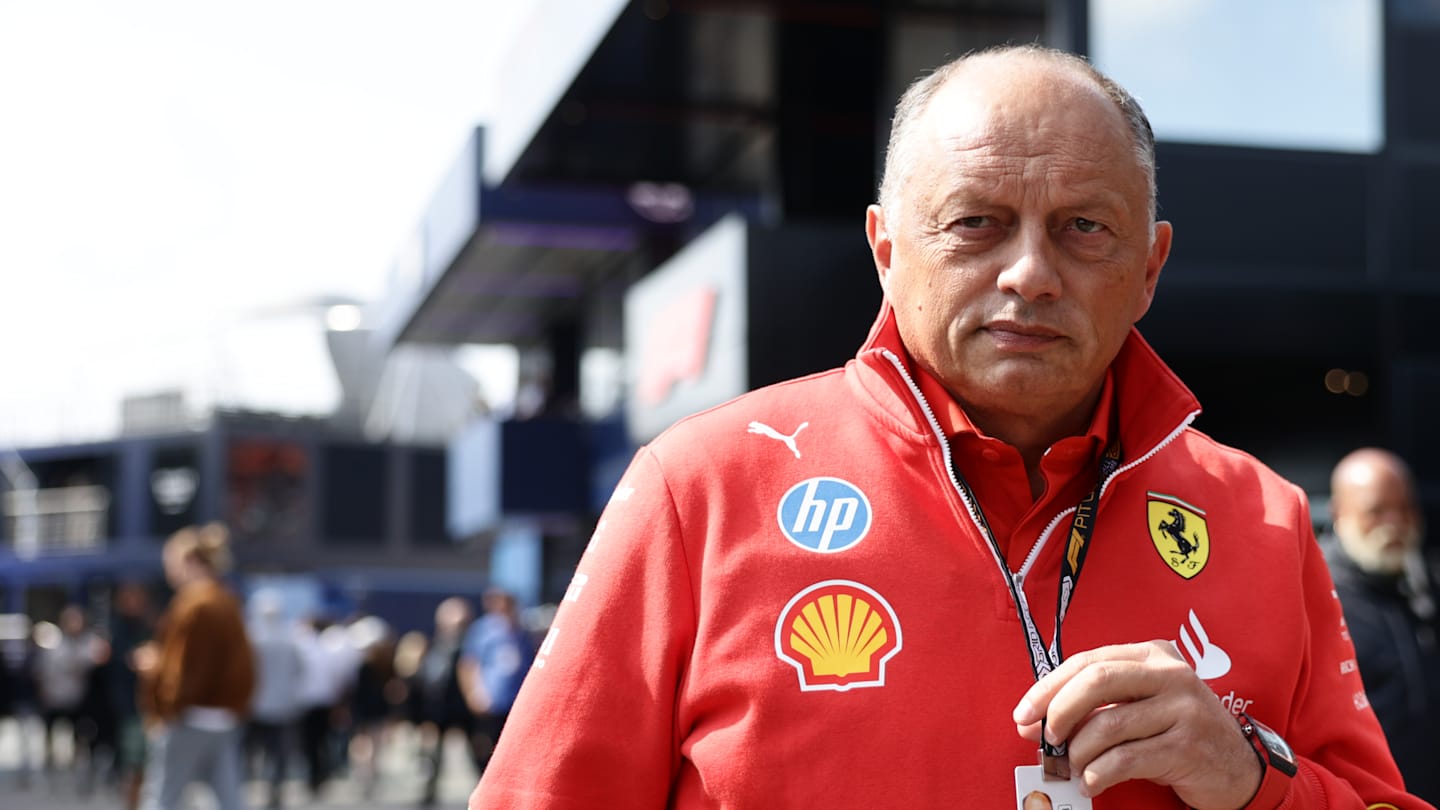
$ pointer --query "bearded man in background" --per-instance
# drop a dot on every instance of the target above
(1387, 590)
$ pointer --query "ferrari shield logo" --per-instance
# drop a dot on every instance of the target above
(1179, 532)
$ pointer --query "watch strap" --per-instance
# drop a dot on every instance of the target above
(1274, 781)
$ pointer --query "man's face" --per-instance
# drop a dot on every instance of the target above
(130, 600)
(1021, 253)
(72, 620)
(1376, 520)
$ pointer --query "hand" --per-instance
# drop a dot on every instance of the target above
(1138, 711)
(145, 658)
(472, 686)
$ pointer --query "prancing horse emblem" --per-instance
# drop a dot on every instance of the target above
(1176, 529)
(1180, 533)
(765, 430)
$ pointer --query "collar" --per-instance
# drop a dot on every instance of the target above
(954, 421)
(1146, 401)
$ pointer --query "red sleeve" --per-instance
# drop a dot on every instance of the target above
(595, 721)
(1344, 760)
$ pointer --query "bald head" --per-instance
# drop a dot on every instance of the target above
(1372, 501)
(994, 64)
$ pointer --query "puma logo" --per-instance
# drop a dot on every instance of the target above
(765, 430)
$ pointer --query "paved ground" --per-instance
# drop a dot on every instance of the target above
(400, 781)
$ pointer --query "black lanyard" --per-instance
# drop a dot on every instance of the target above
(1082, 528)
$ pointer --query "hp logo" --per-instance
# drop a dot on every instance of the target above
(824, 515)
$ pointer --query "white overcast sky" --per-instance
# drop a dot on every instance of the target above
(179, 178)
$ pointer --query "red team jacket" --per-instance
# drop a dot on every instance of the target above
(786, 604)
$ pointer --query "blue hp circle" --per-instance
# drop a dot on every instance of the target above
(824, 515)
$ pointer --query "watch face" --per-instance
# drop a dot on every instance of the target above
(1281, 757)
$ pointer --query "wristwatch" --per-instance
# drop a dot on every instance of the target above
(1277, 760)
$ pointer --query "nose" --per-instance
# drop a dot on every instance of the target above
(1030, 270)
(1395, 516)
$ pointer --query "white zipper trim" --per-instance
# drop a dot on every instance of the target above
(970, 508)
(1044, 538)
(1045, 535)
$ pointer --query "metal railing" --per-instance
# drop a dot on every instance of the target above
(57, 519)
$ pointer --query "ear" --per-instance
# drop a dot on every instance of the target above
(1154, 262)
(878, 235)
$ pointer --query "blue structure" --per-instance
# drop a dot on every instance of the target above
(339, 523)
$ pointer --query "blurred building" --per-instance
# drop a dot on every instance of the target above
(667, 210)
(338, 522)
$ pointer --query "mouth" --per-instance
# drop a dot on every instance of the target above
(1014, 336)
(1394, 547)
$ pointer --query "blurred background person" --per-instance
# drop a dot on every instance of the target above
(9, 689)
(64, 658)
(441, 699)
(374, 700)
(276, 704)
(132, 622)
(198, 676)
(409, 652)
(1386, 588)
(96, 727)
(18, 657)
(330, 662)
(343, 654)
(495, 658)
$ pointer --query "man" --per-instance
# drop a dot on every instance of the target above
(63, 666)
(330, 664)
(275, 704)
(131, 625)
(494, 659)
(438, 690)
(844, 625)
(1388, 594)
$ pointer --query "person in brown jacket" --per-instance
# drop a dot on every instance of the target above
(197, 676)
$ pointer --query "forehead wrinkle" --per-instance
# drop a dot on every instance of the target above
(1060, 179)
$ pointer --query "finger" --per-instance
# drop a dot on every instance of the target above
(1182, 738)
(1205, 770)
(1032, 731)
(1144, 758)
(1029, 731)
(1117, 725)
(1113, 682)
(1035, 703)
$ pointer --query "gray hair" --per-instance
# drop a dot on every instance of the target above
(899, 152)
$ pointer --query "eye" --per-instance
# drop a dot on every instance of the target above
(973, 222)
(1084, 225)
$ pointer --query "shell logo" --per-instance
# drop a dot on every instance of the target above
(838, 635)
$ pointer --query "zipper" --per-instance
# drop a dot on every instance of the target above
(970, 508)
(1040, 542)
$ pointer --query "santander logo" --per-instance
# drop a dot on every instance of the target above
(1209, 660)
